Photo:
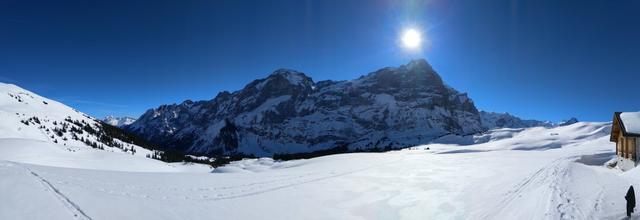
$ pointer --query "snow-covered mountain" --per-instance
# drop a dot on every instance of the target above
(570, 121)
(118, 121)
(288, 112)
(492, 120)
(43, 131)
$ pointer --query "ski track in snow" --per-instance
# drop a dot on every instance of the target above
(522, 187)
(565, 205)
(561, 205)
(73, 208)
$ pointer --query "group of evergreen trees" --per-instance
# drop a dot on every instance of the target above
(336, 150)
(173, 156)
(108, 135)
(77, 128)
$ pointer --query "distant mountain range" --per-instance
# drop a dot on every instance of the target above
(118, 121)
(491, 120)
(287, 112)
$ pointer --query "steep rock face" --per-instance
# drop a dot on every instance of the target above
(289, 113)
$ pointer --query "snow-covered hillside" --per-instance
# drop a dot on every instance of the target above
(118, 121)
(37, 130)
(532, 173)
(27, 115)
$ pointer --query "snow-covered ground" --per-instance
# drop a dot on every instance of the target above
(47, 154)
(536, 173)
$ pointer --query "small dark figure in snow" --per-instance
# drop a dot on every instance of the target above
(631, 201)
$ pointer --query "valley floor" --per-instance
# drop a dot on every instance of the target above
(536, 174)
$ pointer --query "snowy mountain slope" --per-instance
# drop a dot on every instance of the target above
(37, 130)
(491, 135)
(505, 137)
(493, 180)
(540, 138)
(29, 116)
(118, 121)
(49, 154)
(287, 112)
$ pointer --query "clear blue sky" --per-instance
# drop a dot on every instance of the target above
(540, 59)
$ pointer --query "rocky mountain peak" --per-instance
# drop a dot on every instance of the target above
(415, 74)
(292, 76)
(419, 64)
(281, 83)
(187, 103)
(570, 121)
(287, 112)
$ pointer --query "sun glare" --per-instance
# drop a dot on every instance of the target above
(411, 39)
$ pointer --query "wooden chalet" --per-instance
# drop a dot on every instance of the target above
(625, 132)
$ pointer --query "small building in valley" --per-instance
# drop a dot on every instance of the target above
(625, 132)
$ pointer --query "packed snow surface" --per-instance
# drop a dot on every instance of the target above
(631, 121)
(536, 173)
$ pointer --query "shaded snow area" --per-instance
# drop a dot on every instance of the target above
(535, 173)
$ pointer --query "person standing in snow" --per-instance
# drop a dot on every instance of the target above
(631, 201)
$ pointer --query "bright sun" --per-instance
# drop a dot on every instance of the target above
(411, 39)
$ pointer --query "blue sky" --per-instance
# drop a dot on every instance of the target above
(537, 59)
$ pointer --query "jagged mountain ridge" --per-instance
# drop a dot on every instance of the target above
(491, 120)
(118, 121)
(288, 112)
